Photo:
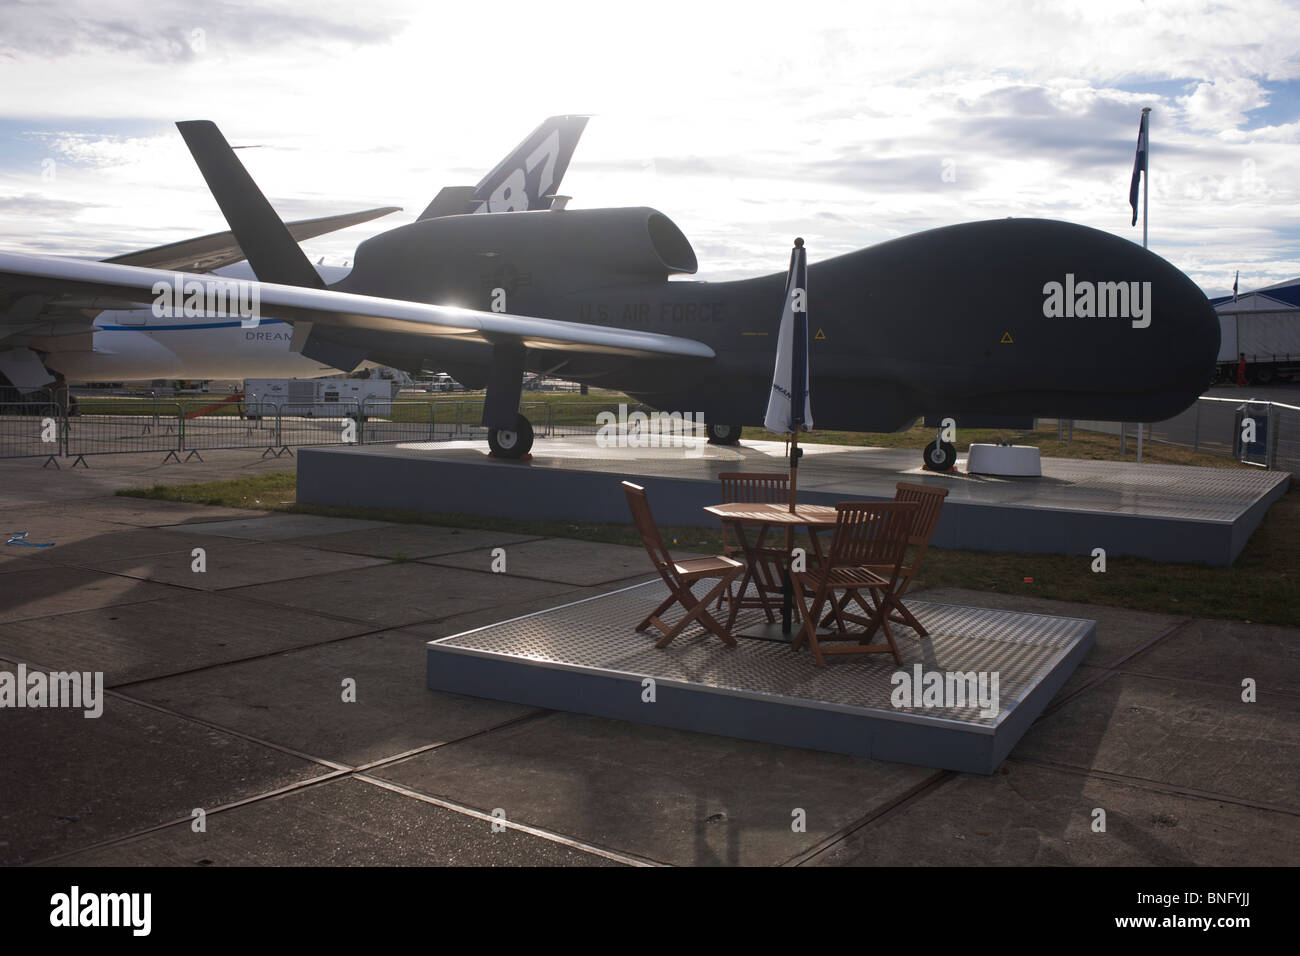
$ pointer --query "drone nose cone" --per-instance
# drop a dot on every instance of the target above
(1185, 331)
(1194, 313)
(1031, 317)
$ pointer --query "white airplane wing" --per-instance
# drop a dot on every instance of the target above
(30, 284)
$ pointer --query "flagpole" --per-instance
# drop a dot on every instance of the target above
(1146, 172)
(1146, 185)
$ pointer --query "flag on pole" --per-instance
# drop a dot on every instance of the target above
(785, 414)
(1234, 285)
(1139, 165)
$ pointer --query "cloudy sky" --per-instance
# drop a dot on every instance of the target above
(746, 123)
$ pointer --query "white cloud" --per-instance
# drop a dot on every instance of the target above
(1222, 105)
(744, 126)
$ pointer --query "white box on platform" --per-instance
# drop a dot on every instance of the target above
(1012, 461)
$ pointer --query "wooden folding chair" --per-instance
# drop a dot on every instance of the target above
(762, 564)
(866, 554)
(929, 501)
(680, 576)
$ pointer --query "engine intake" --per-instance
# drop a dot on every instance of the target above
(453, 259)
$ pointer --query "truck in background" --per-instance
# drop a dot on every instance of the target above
(1264, 326)
(318, 397)
(1270, 341)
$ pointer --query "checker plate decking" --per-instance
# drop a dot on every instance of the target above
(586, 657)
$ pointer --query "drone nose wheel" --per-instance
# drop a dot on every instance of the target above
(940, 456)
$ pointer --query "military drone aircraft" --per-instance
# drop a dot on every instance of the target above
(990, 323)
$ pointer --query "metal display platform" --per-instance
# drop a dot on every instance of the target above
(586, 657)
(1163, 512)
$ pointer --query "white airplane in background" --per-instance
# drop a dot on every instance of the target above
(134, 345)
(93, 341)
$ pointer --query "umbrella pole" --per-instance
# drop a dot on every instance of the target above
(787, 597)
(794, 465)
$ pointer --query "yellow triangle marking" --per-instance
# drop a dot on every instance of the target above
(820, 336)
(1006, 339)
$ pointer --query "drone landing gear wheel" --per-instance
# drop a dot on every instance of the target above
(511, 443)
(723, 434)
(940, 456)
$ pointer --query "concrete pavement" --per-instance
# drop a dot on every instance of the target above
(281, 692)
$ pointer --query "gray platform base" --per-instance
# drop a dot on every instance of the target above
(1161, 512)
(587, 658)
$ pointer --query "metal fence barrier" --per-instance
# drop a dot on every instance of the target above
(582, 418)
(342, 424)
(182, 430)
(1218, 426)
(211, 431)
(115, 427)
(31, 430)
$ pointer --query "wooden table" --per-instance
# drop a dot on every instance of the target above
(813, 517)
